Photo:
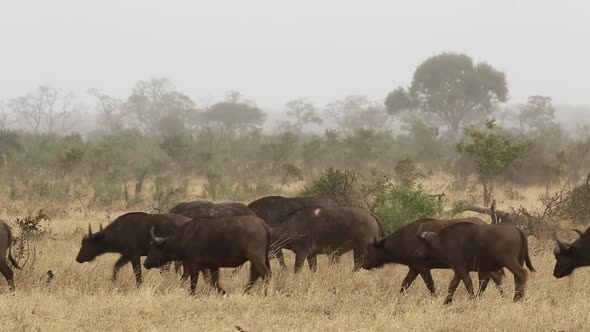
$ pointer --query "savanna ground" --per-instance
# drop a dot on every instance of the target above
(81, 296)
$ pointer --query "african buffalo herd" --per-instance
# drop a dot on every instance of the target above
(204, 236)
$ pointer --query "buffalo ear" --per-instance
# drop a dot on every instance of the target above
(427, 236)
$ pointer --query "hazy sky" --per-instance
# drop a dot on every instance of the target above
(273, 51)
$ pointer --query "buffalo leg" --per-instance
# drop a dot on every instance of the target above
(427, 277)
(484, 280)
(520, 276)
(407, 282)
(177, 266)
(214, 279)
(194, 275)
(136, 264)
(312, 261)
(8, 274)
(452, 288)
(464, 275)
(258, 269)
(299, 260)
(118, 265)
(497, 279)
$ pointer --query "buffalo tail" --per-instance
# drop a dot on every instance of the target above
(527, 258)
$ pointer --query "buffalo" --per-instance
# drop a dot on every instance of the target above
(469, 247)
(404, 247)
(570, 256)
(333, 231)
(212, 243)
(128, 235)
(275, 209)
(200, 209)
(6, 252)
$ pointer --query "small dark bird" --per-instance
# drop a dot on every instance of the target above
(50, 276)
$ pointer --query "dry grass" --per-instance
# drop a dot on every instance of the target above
(81, 297)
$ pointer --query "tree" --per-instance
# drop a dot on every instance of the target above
(537, 115)
(154, 100)
(303, 112)
(357, 112)
(47, 108)
(111, 111)
(493, 153)
(234, 115)
(453, 88)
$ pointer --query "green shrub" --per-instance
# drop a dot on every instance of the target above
(402, 204)
(348, 188)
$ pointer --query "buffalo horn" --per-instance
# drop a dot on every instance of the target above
(561, 247)
(100, 230)
(157, 240)
(89, 230)
(577, 231)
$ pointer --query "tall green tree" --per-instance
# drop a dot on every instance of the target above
(453, 88)
(493, 153)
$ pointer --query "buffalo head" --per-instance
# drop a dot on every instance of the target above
(376, 255)
(159, 252)
(569, 256)
(92, 246)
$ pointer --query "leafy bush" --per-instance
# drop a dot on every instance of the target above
(349, 188)
(402, 204)
(165, 195)
(28, 229)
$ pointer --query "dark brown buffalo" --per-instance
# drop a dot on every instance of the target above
(275, 209)
(469, 247)
(200, 209)
(6, 252)
(333, 231)
(213, 243)
(128, 235)
(570, 256)
(405, 247)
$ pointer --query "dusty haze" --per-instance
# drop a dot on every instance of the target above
(272, 51)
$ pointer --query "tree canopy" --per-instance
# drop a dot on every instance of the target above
(453, 88)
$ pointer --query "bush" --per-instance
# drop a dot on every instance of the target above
(402, 204)
(349, 188)
(29, 228)
(165, 195)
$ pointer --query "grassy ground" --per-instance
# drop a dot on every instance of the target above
(81, 297)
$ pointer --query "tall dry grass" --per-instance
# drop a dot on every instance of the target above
(81, 297)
